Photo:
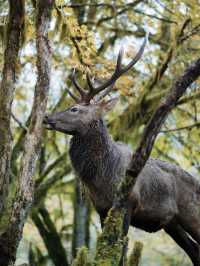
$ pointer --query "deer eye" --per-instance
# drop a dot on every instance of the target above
(74, 109)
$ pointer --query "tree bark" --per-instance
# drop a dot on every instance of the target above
(11, 233)
(14, 32)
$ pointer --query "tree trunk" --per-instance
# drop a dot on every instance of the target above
(14, 32)
(14, 217)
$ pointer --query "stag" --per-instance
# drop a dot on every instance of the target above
(164, 196)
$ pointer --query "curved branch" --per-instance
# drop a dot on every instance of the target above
(52, 166)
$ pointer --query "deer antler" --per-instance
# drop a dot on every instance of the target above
(87, 96)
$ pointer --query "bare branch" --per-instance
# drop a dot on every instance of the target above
(42, 189)
(126, 9)
(156, 96)
(192, 97)
(165, 7)
(19, 122)
(168, 57)
(197, 125)
(155, 17)
(52, 166)
(111, 6)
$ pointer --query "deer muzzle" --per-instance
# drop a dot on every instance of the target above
(49, 123)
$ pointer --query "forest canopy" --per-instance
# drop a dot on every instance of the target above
(87, 35)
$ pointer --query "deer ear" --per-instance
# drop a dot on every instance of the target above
(107, 106)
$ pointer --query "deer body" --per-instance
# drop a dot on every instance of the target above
(162, 189)
(164, 195)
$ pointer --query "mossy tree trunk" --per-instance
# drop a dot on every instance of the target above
(17, 203)
(7, 88)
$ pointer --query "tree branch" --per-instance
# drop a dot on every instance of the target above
(19, 122)
(42, 189)
(181, 128)
(126, 8)
(192, 97)
(160, 71)
(155, 17)
(52, 166)
(17, 149)
(111, 6)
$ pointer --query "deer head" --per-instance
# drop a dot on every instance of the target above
(90, 105)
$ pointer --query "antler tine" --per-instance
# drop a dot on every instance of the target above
(86, 96)
(73, 96)
(105, 92)
(119, 60)
(94, 90)
(137, 56)
(77, 86)
(119, 70)
(89, 81)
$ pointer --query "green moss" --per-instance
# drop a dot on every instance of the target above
(82, 258)
(6, 214)
(110, 243)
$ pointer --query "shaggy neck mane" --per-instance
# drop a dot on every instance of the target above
(93, 154)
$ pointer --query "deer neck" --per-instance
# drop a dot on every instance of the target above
(99, 163)
(92, 153)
